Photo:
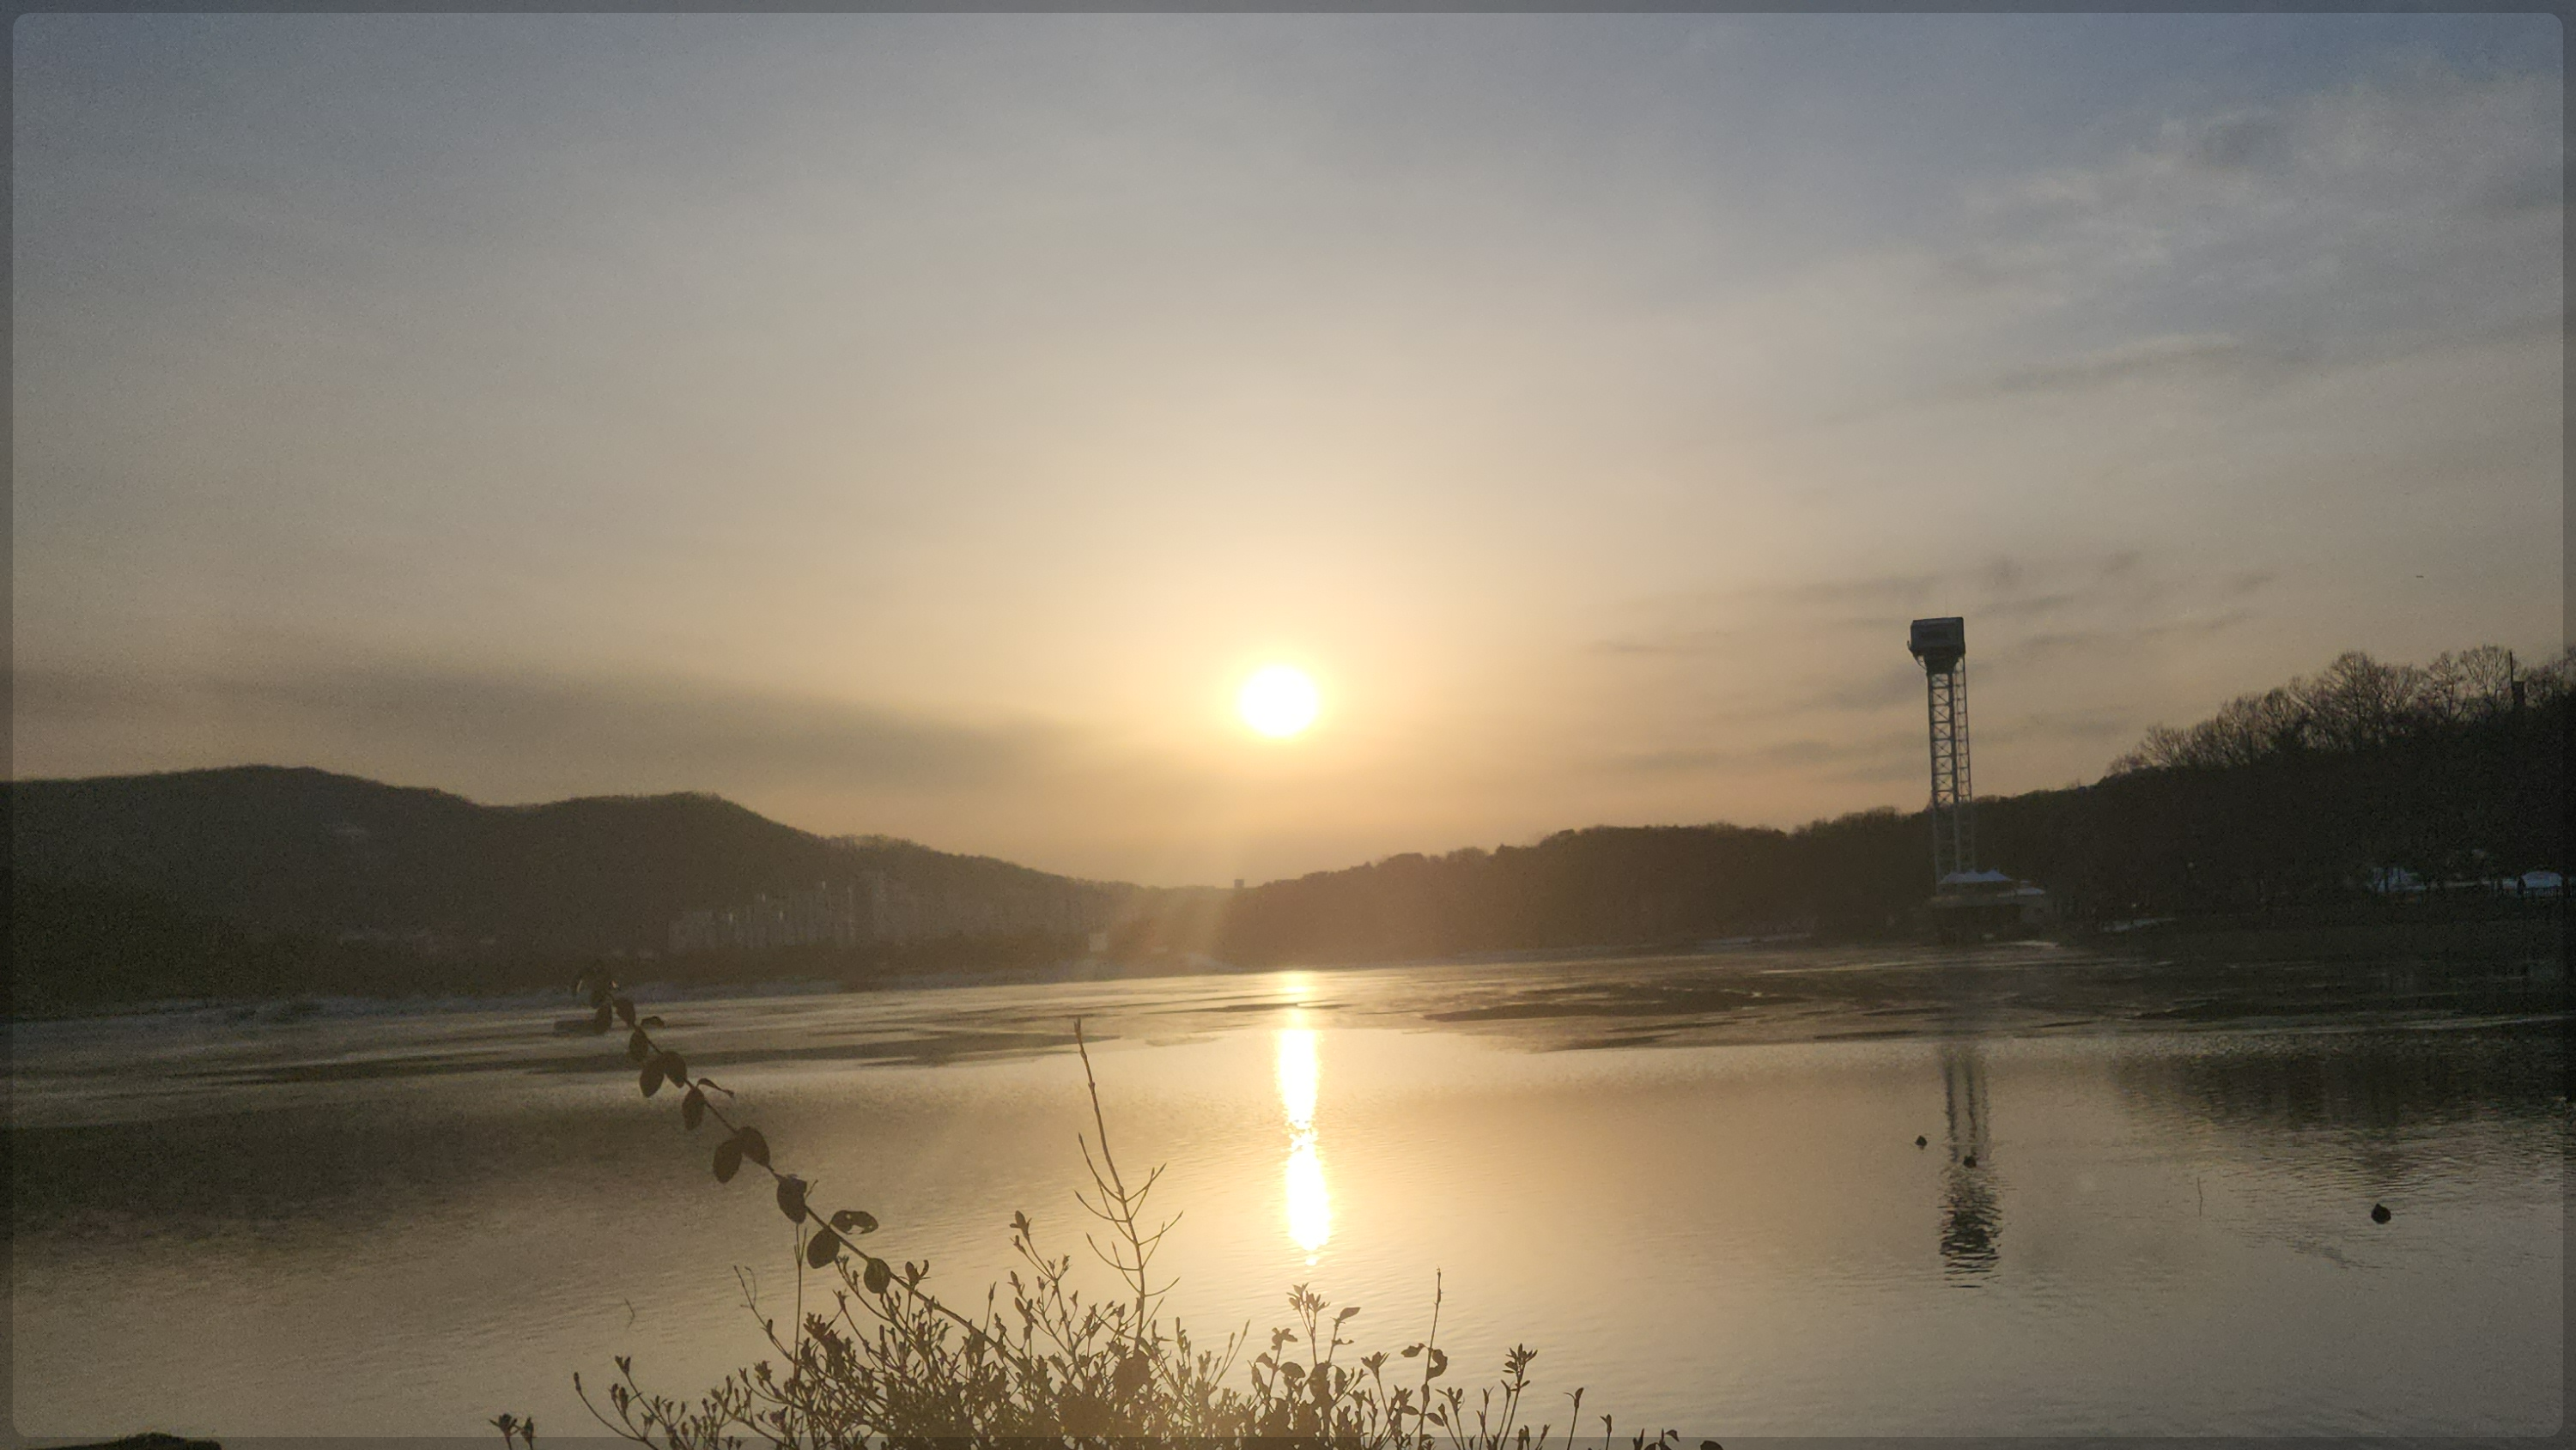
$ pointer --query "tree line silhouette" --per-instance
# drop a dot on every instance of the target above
(2283, 806)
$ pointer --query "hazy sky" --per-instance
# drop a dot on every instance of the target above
(921, 424)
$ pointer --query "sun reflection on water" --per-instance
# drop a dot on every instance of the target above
(1310, 1207)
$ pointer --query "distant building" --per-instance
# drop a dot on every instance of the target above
(2393, 881)
(1974, 905)
(875, 908)
(2398, 881)
(826, 916)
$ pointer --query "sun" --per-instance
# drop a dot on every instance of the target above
(1278, 701)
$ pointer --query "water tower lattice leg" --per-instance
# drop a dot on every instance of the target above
(1953, 838)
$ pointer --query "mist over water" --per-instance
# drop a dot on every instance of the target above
(2142, 1203)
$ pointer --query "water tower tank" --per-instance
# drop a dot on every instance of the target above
(1939, 643)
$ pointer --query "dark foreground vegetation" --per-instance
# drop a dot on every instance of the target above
(2290, 807)
(888, 1363)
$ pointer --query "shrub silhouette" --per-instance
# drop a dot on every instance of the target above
(891, 1364)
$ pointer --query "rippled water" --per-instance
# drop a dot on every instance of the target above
(2142, 1205)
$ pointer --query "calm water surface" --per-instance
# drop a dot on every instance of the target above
(1692, 1184)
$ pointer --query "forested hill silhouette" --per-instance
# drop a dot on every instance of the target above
(2301, 804)
(206, 872)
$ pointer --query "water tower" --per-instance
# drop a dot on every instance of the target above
(1942, 646)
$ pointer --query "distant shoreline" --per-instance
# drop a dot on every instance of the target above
(2200, 941)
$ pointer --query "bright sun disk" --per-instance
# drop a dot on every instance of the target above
(1278, 701)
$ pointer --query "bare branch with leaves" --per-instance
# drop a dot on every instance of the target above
(892, 1365)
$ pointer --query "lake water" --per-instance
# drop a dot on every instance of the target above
(1692, 1184)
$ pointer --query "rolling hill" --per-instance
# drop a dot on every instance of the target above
(214, 867)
